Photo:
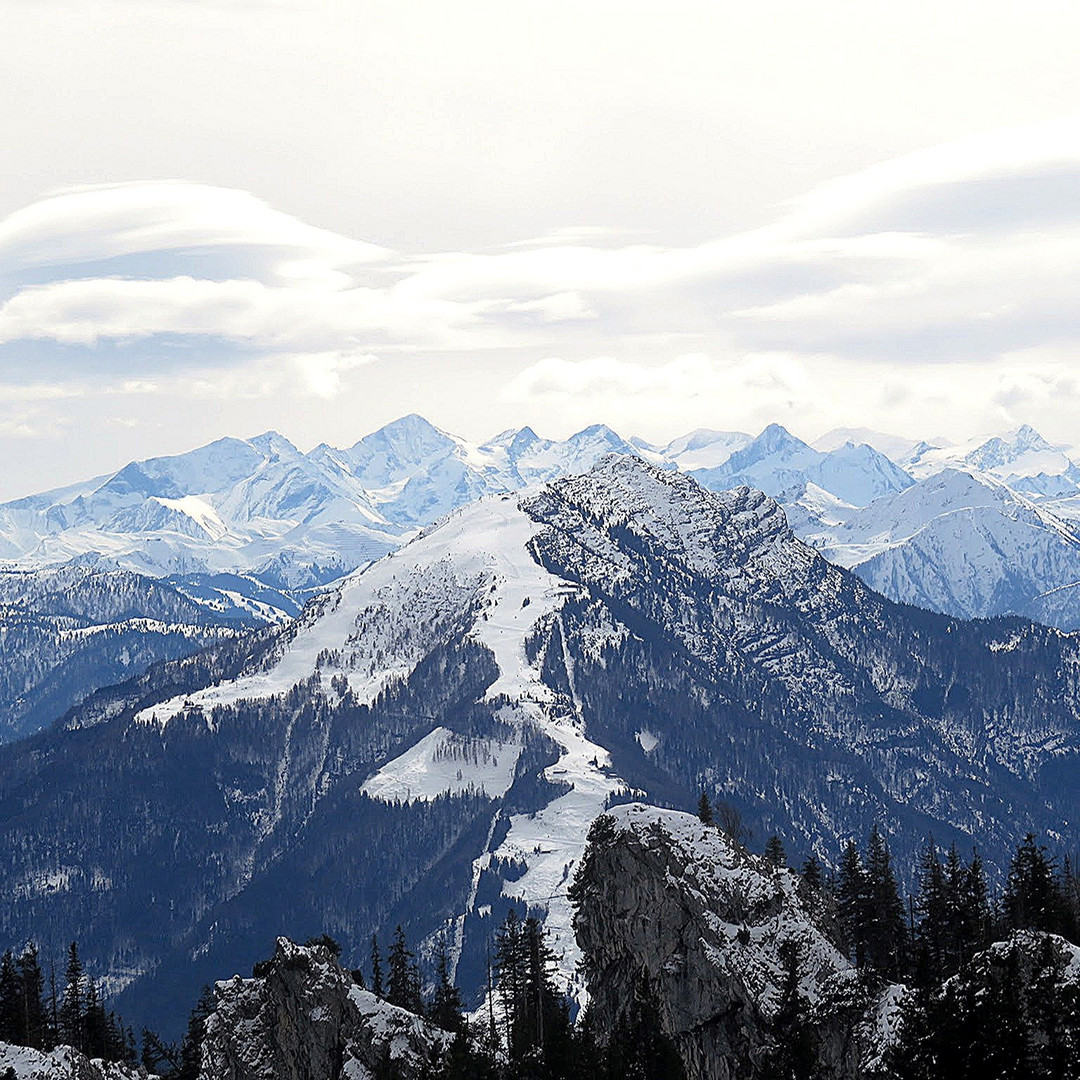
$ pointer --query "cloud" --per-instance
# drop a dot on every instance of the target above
(887, 286)
(323, 373)
(809, 393)
(95, 223)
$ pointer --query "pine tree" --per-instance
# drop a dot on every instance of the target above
(72, 1005)
(793, 1054)
(11, 1005)
(159, 1057)
(510, 978)
(1070, 901)
(851, 903)
(640, 1049)
(1032, 900)
(931, 905)
(885, 927)
(813, 875)
(774, 851)
(705, 810)
(403, 976)
(914, 1053)
(545, 1024)
(33, 998)
(376, 968)
(191, 1045)
(977, 924)
(94, 1023)
(1001, 1035)
(446, 1007)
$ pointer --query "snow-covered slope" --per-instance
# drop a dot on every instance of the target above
(701, 449)
(62, 1063)
(260, 507)
(285, 520)
(66, 632)
(894, 447)
(473, 573)
(959, 542)
(232, 506)
(1023, 459)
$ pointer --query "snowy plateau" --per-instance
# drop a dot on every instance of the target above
(460, 710)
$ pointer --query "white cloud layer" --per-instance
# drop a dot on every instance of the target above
(932, 291)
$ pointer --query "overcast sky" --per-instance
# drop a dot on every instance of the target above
(223, 216)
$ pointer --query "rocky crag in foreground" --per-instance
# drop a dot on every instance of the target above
(302, 1016)
(669, 903)
(63, 1063)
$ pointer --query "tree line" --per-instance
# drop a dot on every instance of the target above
(524, 1030)
(40, 1015)
(989, 990)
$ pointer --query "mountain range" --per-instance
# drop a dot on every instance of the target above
(277, 519)
(463, 708)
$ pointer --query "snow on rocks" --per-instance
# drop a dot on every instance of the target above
(302, 1016)
(62, 1063)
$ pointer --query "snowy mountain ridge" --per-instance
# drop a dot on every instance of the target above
(269, 514)
(466, 706)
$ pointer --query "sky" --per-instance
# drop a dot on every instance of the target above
(220, 217)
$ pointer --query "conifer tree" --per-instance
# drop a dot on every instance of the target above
(32, 983)
(851, 902)
(978, 918)
(640, 1049)
(72, 1005)
(705, 810)
(930, 903)
(793, 1054)
(1070, 901)
(885, 930)
(510, 976)
(446, 1007)
(812, 874)
(774, 851)
(376, 968)
(1000, 1036)
(403, 976)
(11, 1005)
(544, 1025)
(191, 1045)
(159, 1057)
(94, 1023)
(1032, 900)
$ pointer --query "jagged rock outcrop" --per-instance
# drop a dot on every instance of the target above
(664, 896)
(302, 1017)
(63, 1063)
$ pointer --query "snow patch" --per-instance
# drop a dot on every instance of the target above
(647, 740)
(443, 762)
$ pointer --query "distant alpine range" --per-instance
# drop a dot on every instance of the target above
(102, 578)
(269, 522)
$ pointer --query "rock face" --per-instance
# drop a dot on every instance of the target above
(664, 896)
(304, 1018)
(63, 1063)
